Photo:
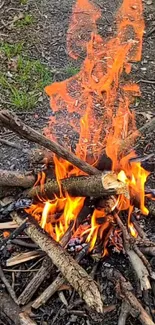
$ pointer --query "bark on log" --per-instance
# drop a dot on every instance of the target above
(70, 269)
(14, 179)
(83, 186)
(12, 122)
(43, 272)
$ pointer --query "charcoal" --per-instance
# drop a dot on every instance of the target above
(14, 206)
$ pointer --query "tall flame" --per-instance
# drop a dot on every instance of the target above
(94, 106)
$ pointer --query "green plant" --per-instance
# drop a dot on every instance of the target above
(25, 82)
(23, 100)
(26, 20)
(11, 50)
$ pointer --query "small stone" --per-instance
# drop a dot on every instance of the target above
(149, 2)
(73, 319)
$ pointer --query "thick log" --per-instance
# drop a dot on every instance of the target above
(83, 186)
(12, 122)
(14, 179)
(70, 269)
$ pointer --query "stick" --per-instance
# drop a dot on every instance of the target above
(55, 285)
(137, 263)
(82, 186)
(149, 125)
(8, 225)
(8, 286)
(125, 311)
(43, 272)
(70, 269)
(14, 234)
(126, 289)
(12, 122)
(11, 178)
(23, 257)
(25, 319)
(11, 144)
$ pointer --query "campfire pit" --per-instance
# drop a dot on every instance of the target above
(85, 208)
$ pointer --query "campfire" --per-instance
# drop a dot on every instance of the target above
(89, 205)
(95, 105)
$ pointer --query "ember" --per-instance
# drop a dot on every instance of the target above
(95, 105)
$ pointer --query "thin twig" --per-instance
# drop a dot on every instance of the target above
(8, 286)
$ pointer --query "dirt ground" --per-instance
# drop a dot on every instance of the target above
(43, 33)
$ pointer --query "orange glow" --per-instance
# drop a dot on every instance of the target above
(133, 230)
(95, 104)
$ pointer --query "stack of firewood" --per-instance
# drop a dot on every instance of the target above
(93, 184)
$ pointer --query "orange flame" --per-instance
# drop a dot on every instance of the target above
(95, 105)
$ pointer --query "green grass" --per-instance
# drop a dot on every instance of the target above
(25, 82)
(71, 70)
(27, 20)
(11, 50)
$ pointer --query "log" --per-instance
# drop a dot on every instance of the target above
(83, 186)
(43, 272)
(56, 284)
(70, 269)
(14, 179)
(12, 122)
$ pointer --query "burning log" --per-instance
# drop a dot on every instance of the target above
(12, 122)
(12, 178)
(83, 186)
(70, 269)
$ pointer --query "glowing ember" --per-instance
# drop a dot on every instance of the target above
(95, 105)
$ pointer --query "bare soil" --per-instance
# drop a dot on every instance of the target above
(45, 40)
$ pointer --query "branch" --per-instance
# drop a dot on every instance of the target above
(12, 122)
(13, 178)
(70, 269)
